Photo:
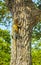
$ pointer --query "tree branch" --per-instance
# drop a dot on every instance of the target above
(36, 16)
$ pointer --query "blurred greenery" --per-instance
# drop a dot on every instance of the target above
(4, 52)
(5, 15)
(5, 40)
(5, 34)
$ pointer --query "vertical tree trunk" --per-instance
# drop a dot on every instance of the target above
(21, 48)
(27, 16)
(22, 10)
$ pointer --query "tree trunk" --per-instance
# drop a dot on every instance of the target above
(21, 47)
(27, 16)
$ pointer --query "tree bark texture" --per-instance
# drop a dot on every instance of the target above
(27, 16)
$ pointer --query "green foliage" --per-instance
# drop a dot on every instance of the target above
(36, 45)
(4, 47)
(36, 56)
(4, 53)
(36, 35)
(5, 15)
(5, 34)
(39, 6)
(5, 19)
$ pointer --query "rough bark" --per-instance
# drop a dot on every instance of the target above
(28, 16)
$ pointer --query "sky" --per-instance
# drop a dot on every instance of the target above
(34, 0)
